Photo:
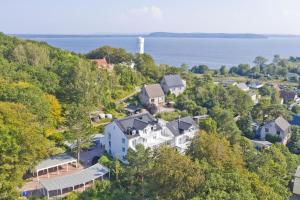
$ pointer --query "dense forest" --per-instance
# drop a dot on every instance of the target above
(45, 97)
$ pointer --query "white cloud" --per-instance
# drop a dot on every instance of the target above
(150, 11)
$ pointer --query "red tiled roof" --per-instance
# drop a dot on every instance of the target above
(102, 64)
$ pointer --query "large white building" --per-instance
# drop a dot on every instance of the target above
(143, 128)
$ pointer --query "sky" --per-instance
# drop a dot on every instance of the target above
(145, 16)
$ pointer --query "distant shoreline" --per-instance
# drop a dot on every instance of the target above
(165, 35)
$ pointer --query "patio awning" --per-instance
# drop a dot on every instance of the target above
(86, 175)
(55, 161)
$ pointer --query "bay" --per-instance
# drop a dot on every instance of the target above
(213, 52)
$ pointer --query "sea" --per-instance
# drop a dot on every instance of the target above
(173, 51)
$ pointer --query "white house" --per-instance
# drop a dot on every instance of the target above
(152, 94)
(183, 130)
(173, 84)
(142, 128)
(243, 87)
(279, 127)
(254, 97)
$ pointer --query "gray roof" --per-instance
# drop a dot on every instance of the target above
(54, 161)
(173, 80)
(179, 125)
(242, 86)
(77, 178)
(282, 123)
(136, 122)
(154, 90)
(255, 84)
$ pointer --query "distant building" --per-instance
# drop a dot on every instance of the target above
(254, 97)
(227, 83)
(288, 96)
(243, 87)
(255, 85)
(292, 77)
(173, 84)
(141, 45)
(152, 94)
(103, 64)
(279, 127)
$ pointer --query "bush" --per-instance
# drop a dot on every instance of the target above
(273, 138)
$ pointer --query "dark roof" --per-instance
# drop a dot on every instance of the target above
(173, 80)
(154, 90)
(282, 123)
(287, 95)
(179, 125)
(136, 122)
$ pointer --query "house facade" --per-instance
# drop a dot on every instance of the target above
(152, 94)
(173, 84)
(144, 129)
(254, 97)
(183, 130)
(279, 127)
(288, 96)
(296, 187)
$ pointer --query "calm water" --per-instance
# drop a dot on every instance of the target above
(192, 51)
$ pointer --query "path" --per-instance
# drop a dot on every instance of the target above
(137, 90)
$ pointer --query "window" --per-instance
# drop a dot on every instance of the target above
(267, 130)
(123, 149)
(152, 100)
(123, 140)
(278, 132)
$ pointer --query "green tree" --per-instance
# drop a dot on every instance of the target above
(223, 70)
(174, 176)
(22, 145)
(138, 171)
(79, 127)
(209, 125)
(200, 69)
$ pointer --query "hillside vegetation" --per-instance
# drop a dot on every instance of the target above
(45, 97)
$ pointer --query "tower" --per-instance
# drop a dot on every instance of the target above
(141, 45)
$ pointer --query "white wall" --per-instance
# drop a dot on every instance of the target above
(147, 101)
(175, 90)
(117, 145)
(296, 188)
(273, 131)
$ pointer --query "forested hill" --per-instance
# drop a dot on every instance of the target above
(44, 89)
